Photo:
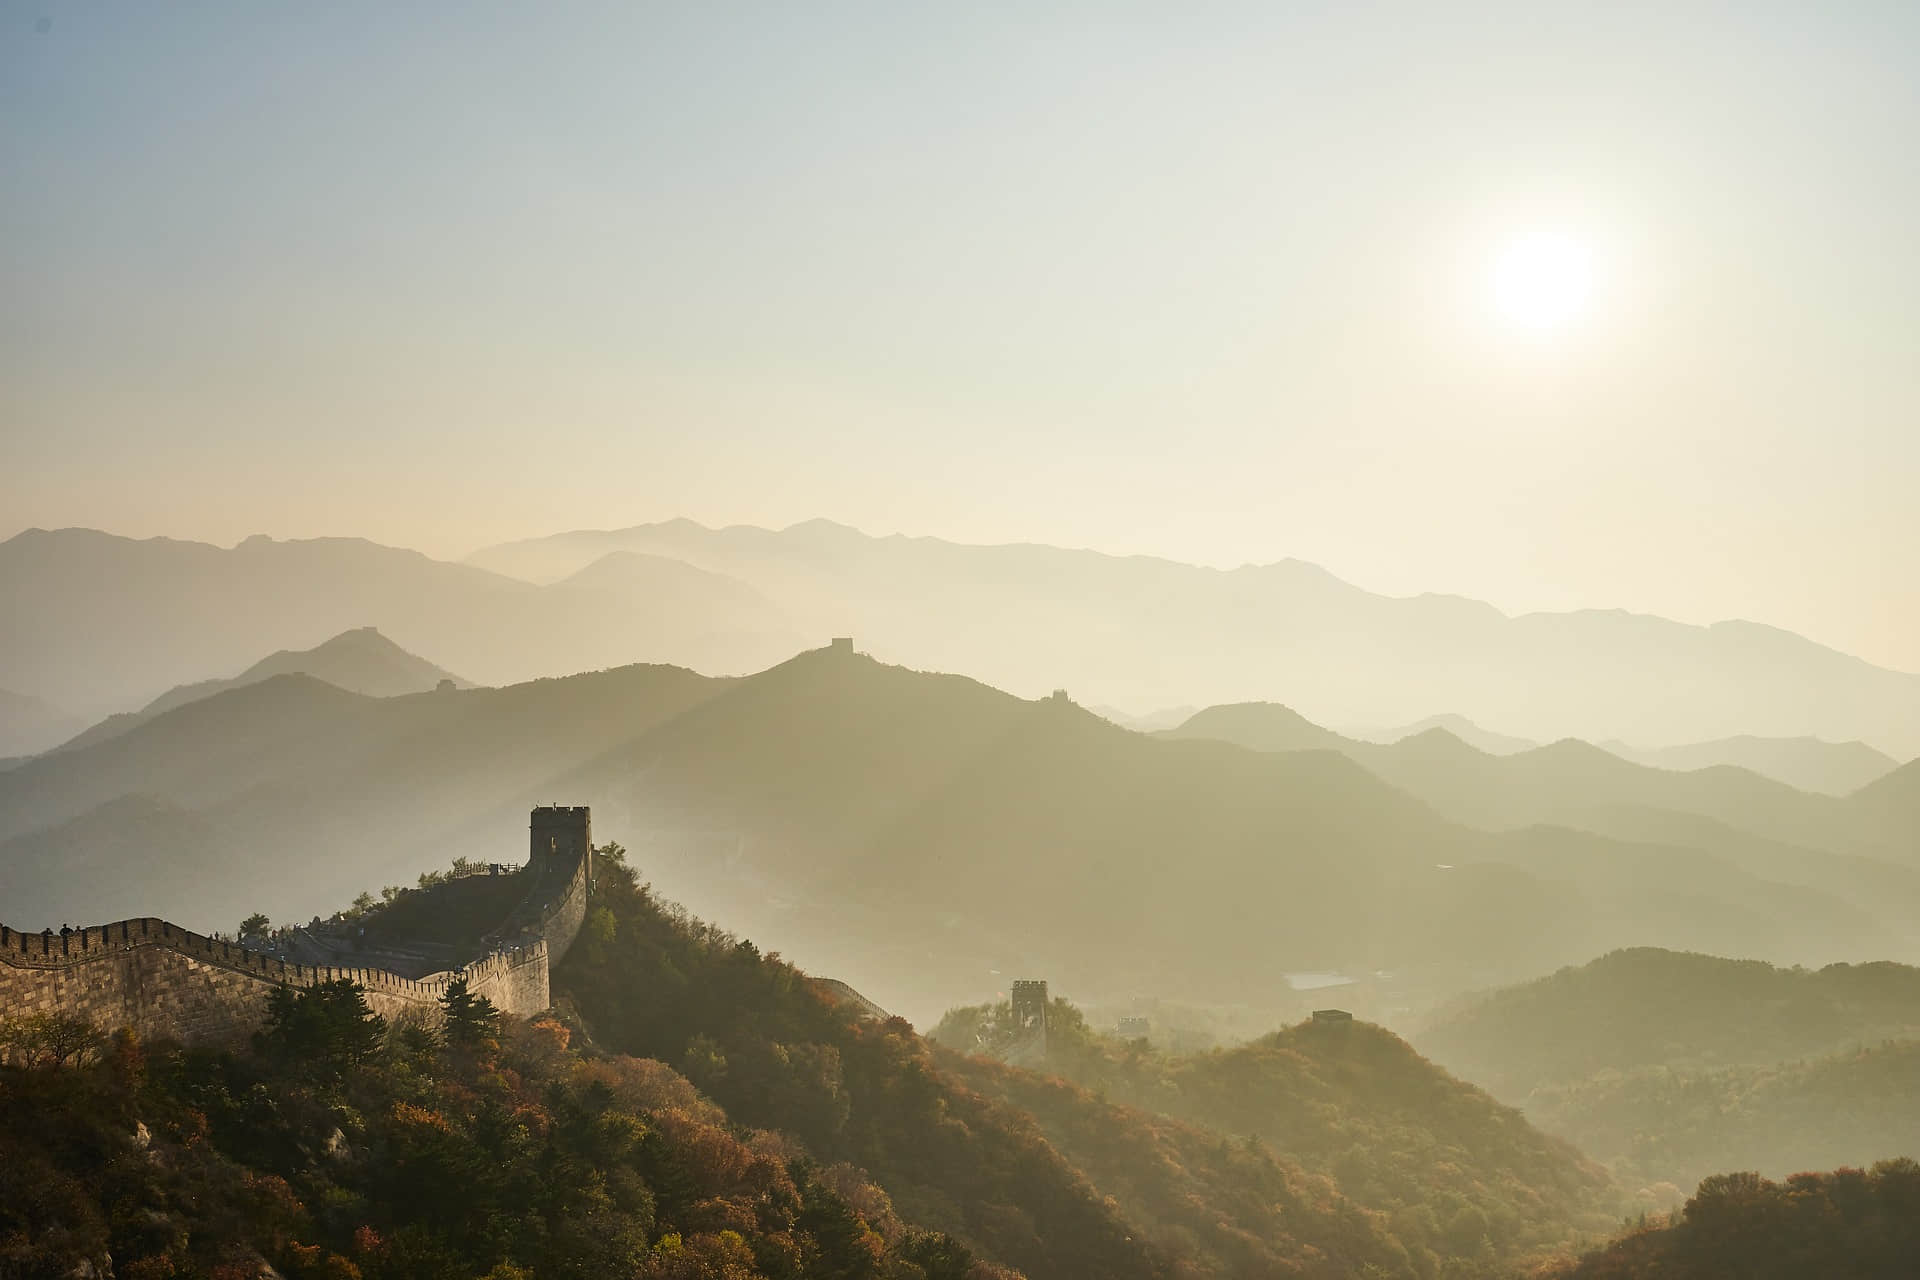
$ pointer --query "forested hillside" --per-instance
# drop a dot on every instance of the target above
(1851, 1224)
(493, 1150)
(1659, 1124)
(696, 1109)
(1668, 1067)
(1458, 1175)
(761, 1040)
(1649, 1008)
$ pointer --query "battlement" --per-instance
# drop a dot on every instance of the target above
(49, 950)
(166, 981)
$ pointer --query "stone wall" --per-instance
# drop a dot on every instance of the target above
(563, 919)
(166, 982)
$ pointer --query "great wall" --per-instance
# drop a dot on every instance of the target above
(166, 982)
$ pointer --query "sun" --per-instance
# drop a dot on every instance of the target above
(1542, 282)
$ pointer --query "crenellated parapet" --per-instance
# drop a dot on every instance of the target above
(165, 981)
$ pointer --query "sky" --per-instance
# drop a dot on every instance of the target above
(1219, 282)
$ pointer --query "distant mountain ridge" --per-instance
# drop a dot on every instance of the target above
(1482, 739)
(1649, 1007)
(1821, 867)
(104, 624)
(1671, 1065)
(1811, 764)
(1831, 768)
(359, 661)
(1140, 631)
(916, 832)
(1569, 782)
(30, 724)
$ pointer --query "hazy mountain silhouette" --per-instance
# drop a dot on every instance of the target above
(29, 724)
(1671, 1066)
(1258, 726)
(315, 792)
(1139, 631)
(1494, 744)
(105, 624)
(1847, 1109)
(913, 833)
(1650, 1007)
(1575, 784)
(1893, 802)
(1151, 722)
(1831, 768)
(359, 661)
(1812, 870)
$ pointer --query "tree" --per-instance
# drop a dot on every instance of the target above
(327, 1028)
(254, 926)
(471, 1019)
(49, 1040)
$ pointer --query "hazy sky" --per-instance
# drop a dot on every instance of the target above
(1206, 280)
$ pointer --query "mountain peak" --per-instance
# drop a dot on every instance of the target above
(1259, 726)
(1438, 743)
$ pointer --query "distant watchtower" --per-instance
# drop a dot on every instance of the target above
(841, 644)
(1030, 1013)
(560, 833)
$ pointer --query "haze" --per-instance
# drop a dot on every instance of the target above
(1212, 285)
(982, 642)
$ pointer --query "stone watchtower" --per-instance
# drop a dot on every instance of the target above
(1030, 1014)
(560, 834)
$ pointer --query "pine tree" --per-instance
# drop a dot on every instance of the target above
(471, 1019)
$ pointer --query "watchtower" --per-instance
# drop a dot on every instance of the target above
(560, 833)
(1030, 1011)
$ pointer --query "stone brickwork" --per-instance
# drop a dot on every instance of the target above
(562, 920)
(166, 982)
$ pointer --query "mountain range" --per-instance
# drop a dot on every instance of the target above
(359, 661)
(1135, 631)
(1653, 1008)
(923, 834)
(101, 624)
(1833, 768)
(1811, 764)
(104, 624)
(1671, 1066)
(1862, 845)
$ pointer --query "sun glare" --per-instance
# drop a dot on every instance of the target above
(1542, 282)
